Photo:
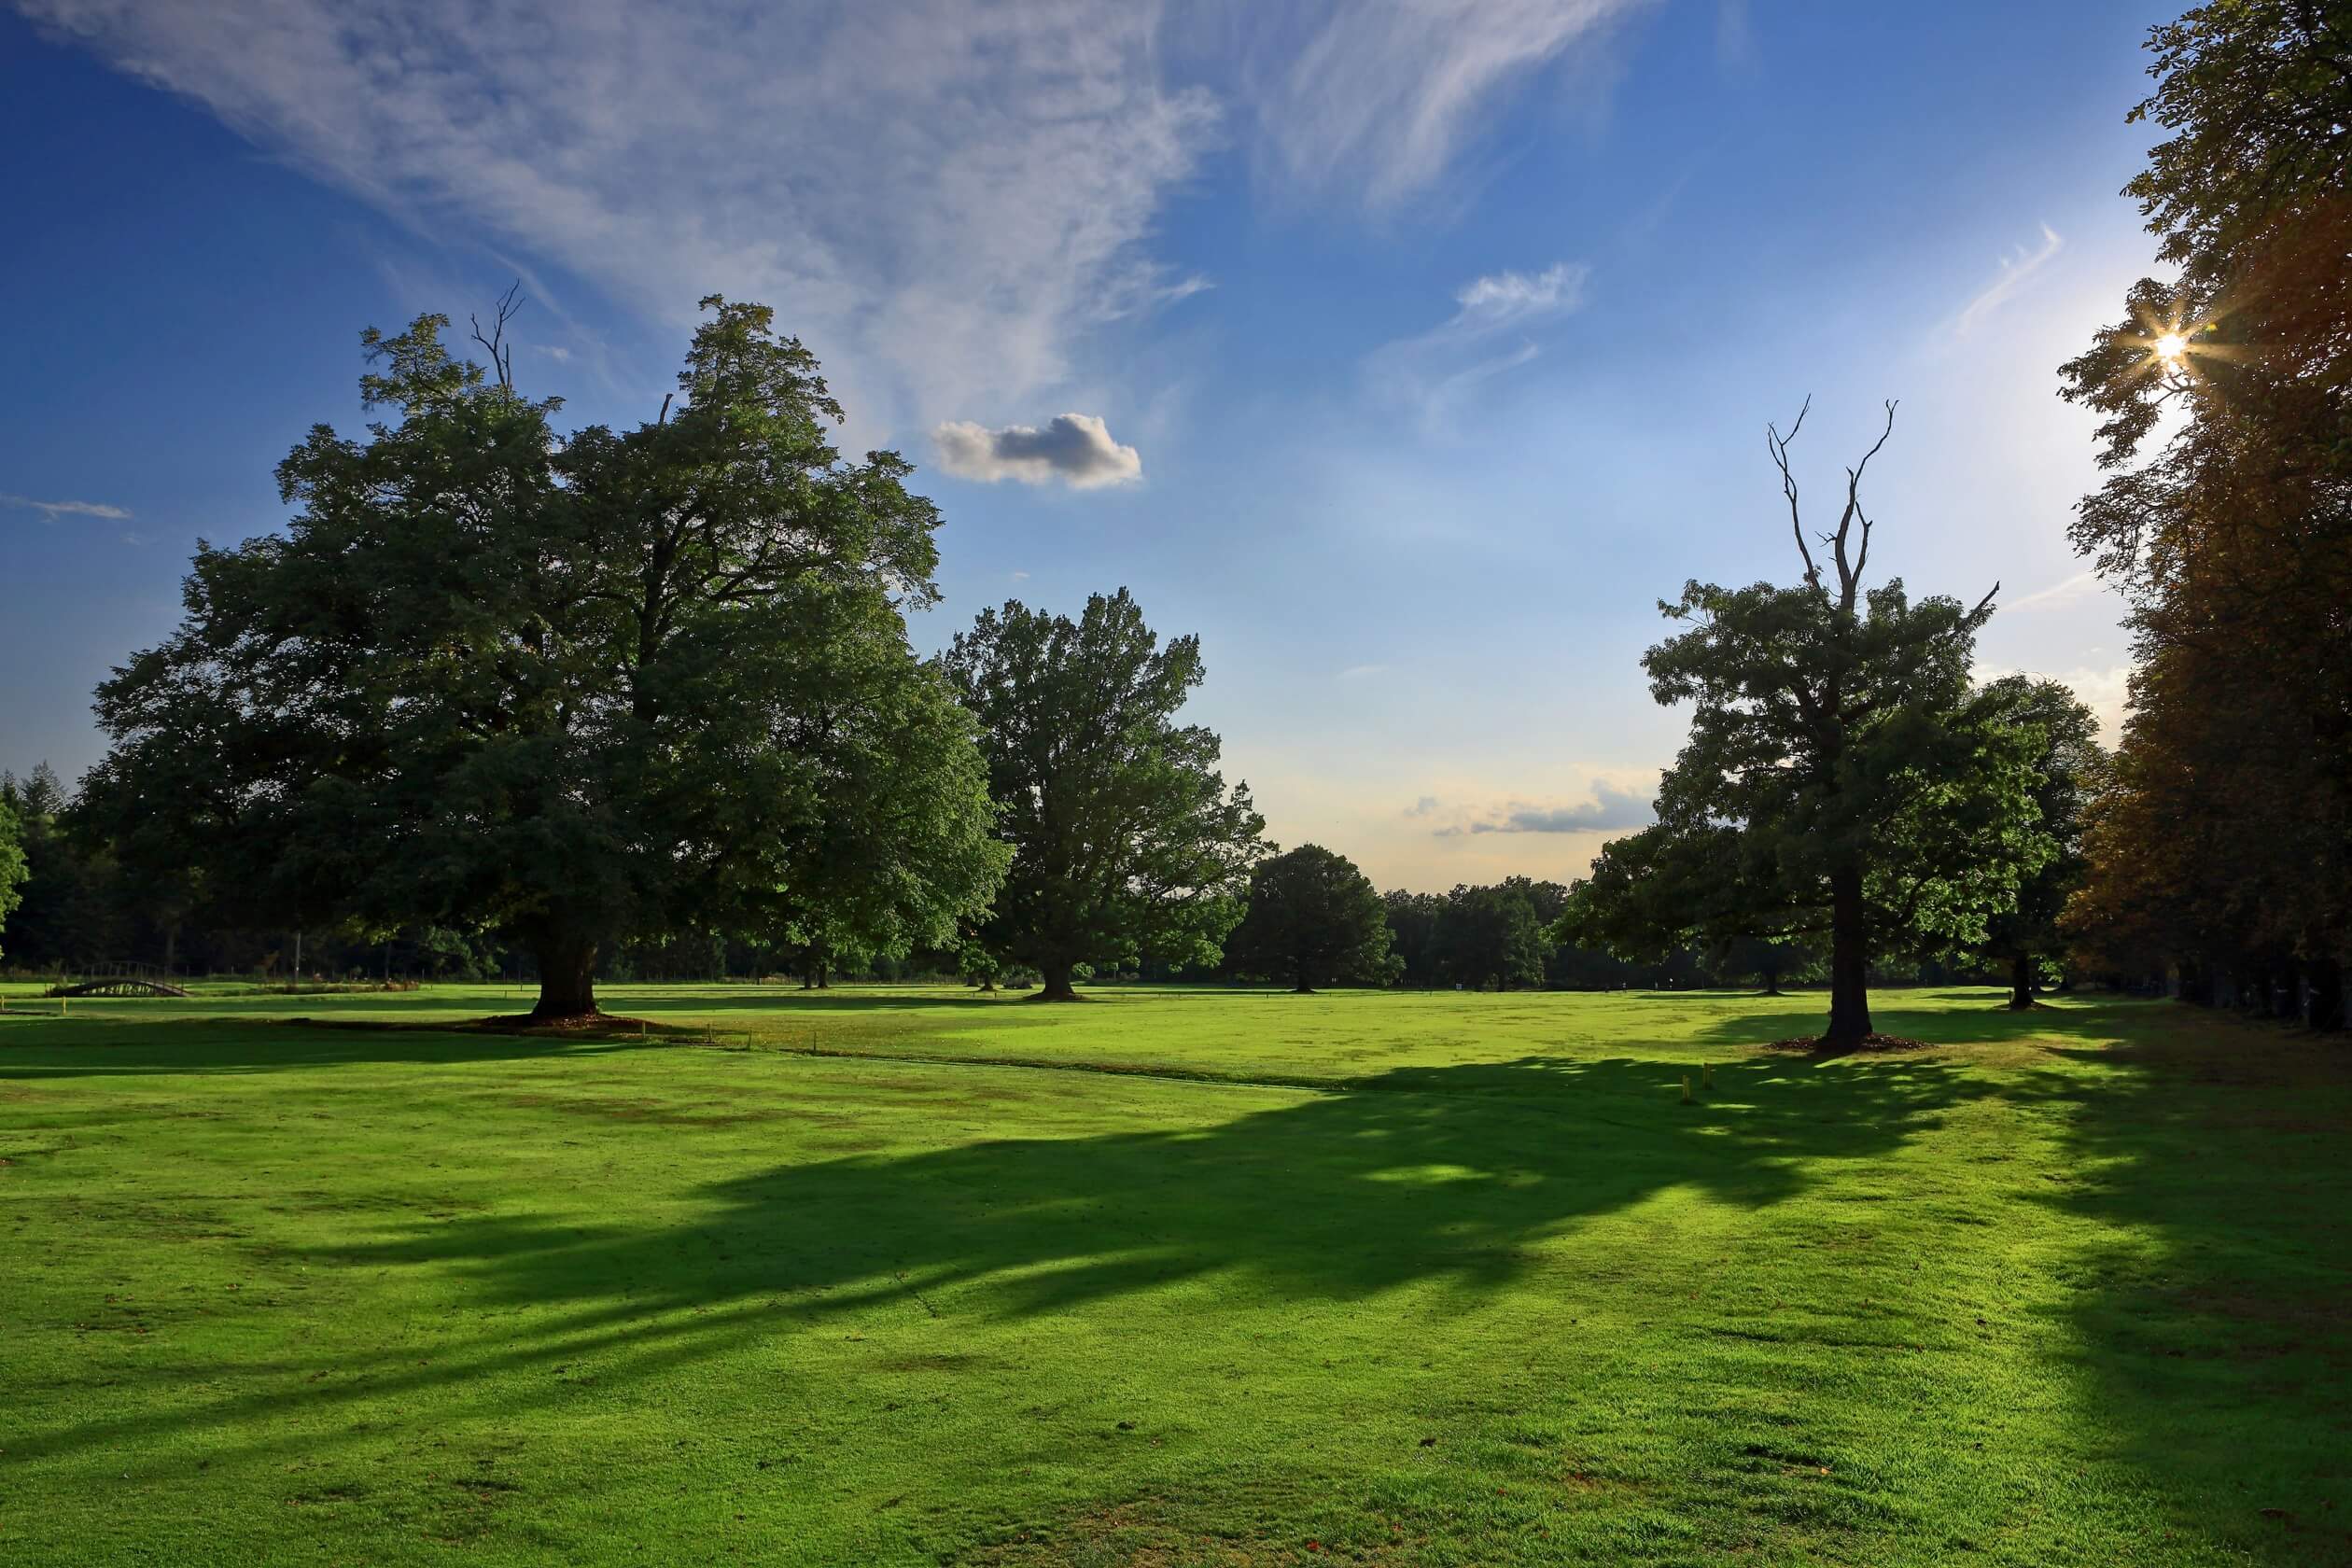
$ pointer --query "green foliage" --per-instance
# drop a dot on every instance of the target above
(1314, 920)
(1490, 939)
(71, 911)
(1126, 843)
(11, 863)
(2025, 933)
(572, 687)
(2221, 843)
(1766, 963)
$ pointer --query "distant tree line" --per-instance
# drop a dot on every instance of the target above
(506, 702)
(1310, 919)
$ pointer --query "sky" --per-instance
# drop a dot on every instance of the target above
(1407, 352)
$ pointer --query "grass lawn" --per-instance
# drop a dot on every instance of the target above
(1177, 1277)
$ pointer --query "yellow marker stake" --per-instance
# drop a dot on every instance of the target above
(1685, 1088)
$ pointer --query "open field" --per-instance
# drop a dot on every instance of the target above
(1179, 1277)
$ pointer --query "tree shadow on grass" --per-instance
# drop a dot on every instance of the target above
(97, 1047)
(2215, 1324)
(1958, 1015)
(1453, 1175)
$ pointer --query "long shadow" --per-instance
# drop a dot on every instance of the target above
(1959, 1016)
(83, 1048)
(1445, 1174)
(2215, 1324)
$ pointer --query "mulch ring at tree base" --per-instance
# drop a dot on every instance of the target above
(584, 1023)
(1814, 1046)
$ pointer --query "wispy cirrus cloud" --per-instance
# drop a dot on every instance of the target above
(1386, 98)
(2082, 587)
(940, 196)
(55, 509)
(1434, 371)
(946, 200)
(2017, 269)
(1074, 448)
(1506, 299)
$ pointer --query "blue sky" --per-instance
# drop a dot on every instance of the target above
(1409, 353)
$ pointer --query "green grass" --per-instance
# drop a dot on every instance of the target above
(1181, 1277)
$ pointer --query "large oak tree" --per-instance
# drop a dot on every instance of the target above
(578, 687)
(1842, 779)
(1126, 843)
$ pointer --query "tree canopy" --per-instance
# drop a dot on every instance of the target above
(572, 687)
(1841, 778)
(11, 865)
(2221, 846)
(2025, 935)
(1313, 919)
(1126, 842)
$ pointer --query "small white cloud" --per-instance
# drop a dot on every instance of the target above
(1506, 297)
(55, 509)
(1358, 672)
(135, 538)
(1076, 449)
(1611, 809)
(2015, 271)
(1021, 576)
(2106, 691)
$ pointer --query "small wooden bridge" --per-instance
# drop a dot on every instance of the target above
(120, 980)
(120, 986)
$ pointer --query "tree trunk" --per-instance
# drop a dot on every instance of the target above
(568, 979)
(2326, 1011)
(2021, 983)
(1298, 971)
(1849, 962)
(1056, 987)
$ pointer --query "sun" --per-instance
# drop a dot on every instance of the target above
(2170, 347)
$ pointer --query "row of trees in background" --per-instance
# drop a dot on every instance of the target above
(1310, 918)
(2219, 845)
(642, 701)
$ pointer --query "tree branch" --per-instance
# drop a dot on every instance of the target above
(510, 305)
(1777, 444)
(1850, 572)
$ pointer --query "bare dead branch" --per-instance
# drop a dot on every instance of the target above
(1777, 444)
(1850, 571)
(510, 305)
